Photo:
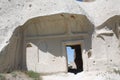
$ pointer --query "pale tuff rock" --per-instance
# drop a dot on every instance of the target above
(35, 33)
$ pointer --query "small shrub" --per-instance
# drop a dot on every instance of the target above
(14, 74)
(33, 75)
(117, 71)
(2, 77)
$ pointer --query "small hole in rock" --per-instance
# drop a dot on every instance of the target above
(9, 0)
(30, 5)
(89, 54)
(111, 60)
(18, 4)
(93, 61)
(108, 45)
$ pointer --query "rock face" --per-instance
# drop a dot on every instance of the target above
(34, 34)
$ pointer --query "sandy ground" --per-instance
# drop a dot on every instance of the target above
(84, 76)
(64, 76)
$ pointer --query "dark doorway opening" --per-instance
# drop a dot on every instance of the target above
(77, 64)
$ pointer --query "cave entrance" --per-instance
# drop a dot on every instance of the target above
(74, 55)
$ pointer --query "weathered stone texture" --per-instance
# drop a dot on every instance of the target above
(33, 34)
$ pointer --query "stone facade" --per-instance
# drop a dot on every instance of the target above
(40, 43)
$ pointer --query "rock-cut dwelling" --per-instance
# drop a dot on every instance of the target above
(40, 43)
